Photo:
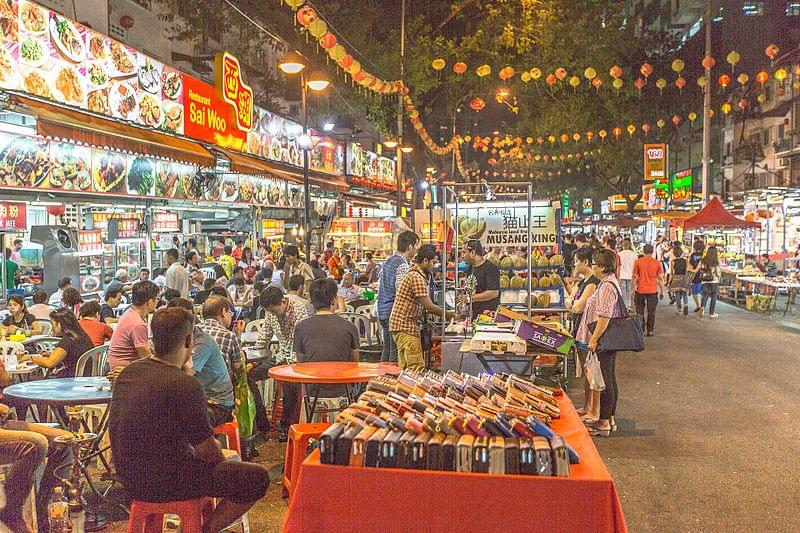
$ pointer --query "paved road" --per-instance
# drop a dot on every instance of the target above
(708, 435)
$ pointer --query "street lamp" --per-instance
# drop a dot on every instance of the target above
(406, 149)
(390, 144)
(292, 63)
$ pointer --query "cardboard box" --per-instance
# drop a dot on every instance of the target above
(498, 342)
(536, 333)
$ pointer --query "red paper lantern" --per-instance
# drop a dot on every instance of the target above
(646, 128)
(56, 210)
(724, 80)
(550, 79)
(476, 104)
(617, 132)
(126, 21)
(506, 73)
(359, 76)
(460, 67)
(306, 15)
(680, 83)
(646, 70)
(772, 51)
(597, 82)
(742, 103)
(639, 83)
(709, 62)
(561, 73)
(492, 161)
(346, 61)
(762, 77)
(676, 120)
(328, 41)
(615, 71)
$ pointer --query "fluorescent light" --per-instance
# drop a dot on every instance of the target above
(328, 126)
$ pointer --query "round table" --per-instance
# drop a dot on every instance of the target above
(328, 373)
(63, 391)
(23, 371)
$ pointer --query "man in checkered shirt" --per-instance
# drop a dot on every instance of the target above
(282, 316)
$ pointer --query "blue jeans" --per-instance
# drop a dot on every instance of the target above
(682, 297)
(710, 291)
(389, 353)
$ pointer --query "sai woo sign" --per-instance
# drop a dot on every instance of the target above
(655, 162)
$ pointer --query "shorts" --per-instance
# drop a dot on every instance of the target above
(218, 414)
(697, 288)
(242, 483)
(409, 351)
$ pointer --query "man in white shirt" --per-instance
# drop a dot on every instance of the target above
(40, 309)
(627, 258)
(348, 290)
(177, 276)
(55, 298)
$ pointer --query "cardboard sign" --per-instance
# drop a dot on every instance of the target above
(536, 333)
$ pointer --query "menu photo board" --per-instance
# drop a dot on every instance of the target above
(369, 165)
(90, 240)
(12, 216)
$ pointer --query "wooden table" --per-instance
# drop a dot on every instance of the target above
(329, 373)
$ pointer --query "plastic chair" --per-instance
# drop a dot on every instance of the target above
(299, 437)
(370, 347)
(193, 514)
(96, 357)
(9, 347)
(45, 344)
(254, 325)
(47, 326)
(230, 430)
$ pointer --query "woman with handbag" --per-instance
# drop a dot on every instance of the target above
(601, 307)
(709, 277)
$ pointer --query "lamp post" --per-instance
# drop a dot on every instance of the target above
(292, 63)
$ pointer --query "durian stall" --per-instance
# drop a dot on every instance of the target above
(529, 332)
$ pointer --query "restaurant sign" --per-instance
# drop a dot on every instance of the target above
(655, 162)
(90, 240)
(234, 90)
(373, 227)
(165, 222)
(346, 226)
(12, 216)
(507, 224)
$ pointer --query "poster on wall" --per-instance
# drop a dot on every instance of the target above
(506, 224)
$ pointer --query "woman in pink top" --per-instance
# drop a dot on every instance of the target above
(602, 306)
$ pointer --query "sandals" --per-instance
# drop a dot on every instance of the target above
(595, 431)
(582, 412)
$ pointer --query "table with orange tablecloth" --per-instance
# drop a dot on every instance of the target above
(328, 373)
(342, 498)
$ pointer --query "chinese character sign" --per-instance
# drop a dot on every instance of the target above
(655, 162)
(234, 90)
(507, 224)
(12, 216)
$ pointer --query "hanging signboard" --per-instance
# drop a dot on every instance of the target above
(90, 240)
(682, 186)
(655, 162)
(587, 206)
(507, 224)
(271, 227)
(650, 198)
(344, 226)
(617, 203)
(12, 216)
(234, 90)
(376, 227)
(165, 221)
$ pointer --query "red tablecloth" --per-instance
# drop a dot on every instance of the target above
(340, 498)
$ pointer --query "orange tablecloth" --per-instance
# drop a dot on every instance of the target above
(332, 372)
(340, 498)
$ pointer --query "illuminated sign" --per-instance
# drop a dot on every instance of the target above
(208, 118)
(655, 162)
(234, 90)
(682, 185)
(12, 216)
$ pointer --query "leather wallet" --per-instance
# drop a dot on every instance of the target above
(389, 449)
(449, 453)
(480, 455)
(434, 459)
(512, 455)
(497, 455)
(327, 443)
(404, 449)
(359, 443)
(527, 460)
(464, 453)
(372, 450)
(560, 456)
(544, 457)
(419, 451)
(341, 449)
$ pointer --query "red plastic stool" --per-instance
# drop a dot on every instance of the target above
(193, 513)
(299, 436)
(231, 432)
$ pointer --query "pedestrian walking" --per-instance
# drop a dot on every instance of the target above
(698, 250)
(601, 307)
(679, 281)
(627, 258)
(709, 278)
(648, 277)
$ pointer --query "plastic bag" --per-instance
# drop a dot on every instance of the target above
(594, 374)
(245, 410)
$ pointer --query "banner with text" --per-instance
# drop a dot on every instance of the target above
(498, 224)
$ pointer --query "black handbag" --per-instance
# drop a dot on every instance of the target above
(624, 334)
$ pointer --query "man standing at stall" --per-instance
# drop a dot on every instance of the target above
(483, 279)
(387, 285)
(412, 299)
(177, 276)
(296, 267)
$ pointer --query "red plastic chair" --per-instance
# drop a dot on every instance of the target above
(231, 432)
(193, 514)
(299, 436)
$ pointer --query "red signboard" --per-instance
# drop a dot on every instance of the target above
(208, 118)
(340, 226)
(12, 216)
(376, 226)
(90, 240)
(234, 90)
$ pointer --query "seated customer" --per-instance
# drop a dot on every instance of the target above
(130, 340)
(98, 331)
(296, 292)
(72, 300)
(73, 344)
(349, 291)
(210, 369)
(112, 300)
(325, 336)
(40, 309)
(19, 318)
(203, 294)
(24, 447)
(161, 438)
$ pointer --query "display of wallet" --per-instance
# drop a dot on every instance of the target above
(494, 424)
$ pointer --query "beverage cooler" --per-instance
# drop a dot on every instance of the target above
(90, 262)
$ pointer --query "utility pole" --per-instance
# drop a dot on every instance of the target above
(706, 110)
(400, 111)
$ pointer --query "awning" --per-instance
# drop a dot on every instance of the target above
(675, 215)
(245, 164)
(65, 123)
(714, 215)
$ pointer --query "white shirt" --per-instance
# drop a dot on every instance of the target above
(55, 299)
(351, 293)
(177, 278)
(40, 311)
(626, 258)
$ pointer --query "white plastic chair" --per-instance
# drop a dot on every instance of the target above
(254, 325)
(47, 326)
(10, 347)
(97, 358)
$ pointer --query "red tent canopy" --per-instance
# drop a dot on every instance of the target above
(714, 215)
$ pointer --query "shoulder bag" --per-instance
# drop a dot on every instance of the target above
(624, 334)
